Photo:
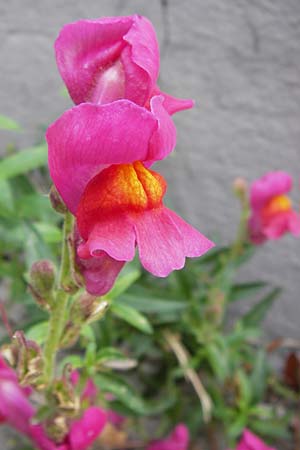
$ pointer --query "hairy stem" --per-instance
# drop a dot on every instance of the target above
(58, 313)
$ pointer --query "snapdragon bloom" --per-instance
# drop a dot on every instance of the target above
(177, 440)
(98, 158)
(250, 441)
(272, 214)
(17, 411)
(112, 58)
(15, 408)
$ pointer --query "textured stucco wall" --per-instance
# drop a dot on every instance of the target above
(240, 61)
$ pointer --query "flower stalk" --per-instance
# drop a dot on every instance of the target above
(58, 312)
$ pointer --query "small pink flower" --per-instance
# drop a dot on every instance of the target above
(271, 209)
(17, 411)
(84, 431)
(250, 441)
(177, 440)
(112, 58)
(15, 408)
(98, 159)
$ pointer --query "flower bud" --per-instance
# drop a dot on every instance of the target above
(65, 396)
(26, 358)
(240, 187)
(57, 428)
(42, 279)
(56, 201)
(87, 309)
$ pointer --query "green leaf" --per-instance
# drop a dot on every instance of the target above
(87, 333)
(236, 426)
(245, 391)
(259, 311)
(6, 200)
(259, 376)
(218, 361)
(108, 353)
(132, 316)
(125, 280)
(6, 123)
(149, 304)
(114, 359)
(38, 332)
(274, 428)
(75, 361)
(23, 161)
(49, 233)
(126, 395)
(245, 290)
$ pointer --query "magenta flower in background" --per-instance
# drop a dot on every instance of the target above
(272, 214)
(98, 158)
(250, 441)
(112, 58)
(15, 408)
(177, 440)
(17, 411)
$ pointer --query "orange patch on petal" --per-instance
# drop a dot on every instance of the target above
(118, 189)
(278, 204)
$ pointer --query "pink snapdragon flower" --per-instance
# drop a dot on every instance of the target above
(250, 441)
(98, 158)
(112, 58)
(15, 408)
(272, 214)
(177, 440)
(17, 411)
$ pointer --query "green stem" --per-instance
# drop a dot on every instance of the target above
(242, 232)
(56, 326)
(58, 313)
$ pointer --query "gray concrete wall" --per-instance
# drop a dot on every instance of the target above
(240, 61)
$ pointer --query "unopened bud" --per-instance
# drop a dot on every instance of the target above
(57, 428)
(65, 396)
(42, 280)
(56, 201)
(29, 360)
(87, 309)
(240, 187)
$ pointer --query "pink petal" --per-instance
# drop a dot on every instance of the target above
(270, 185)
(90, 391)
(7, 372)
(164, 240)
(250, 441)
(84, 431)
(83, 47)
(88, 138)
(109, 58)
(143, 53)
(282, 223)
(100, 273)
(163, 140)
(172, 104)
(41, 440)
(178, 440)
(114, 418)
(195, 244)
(14, 405)
(256, 234)
(115, 236)
(294, 223)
